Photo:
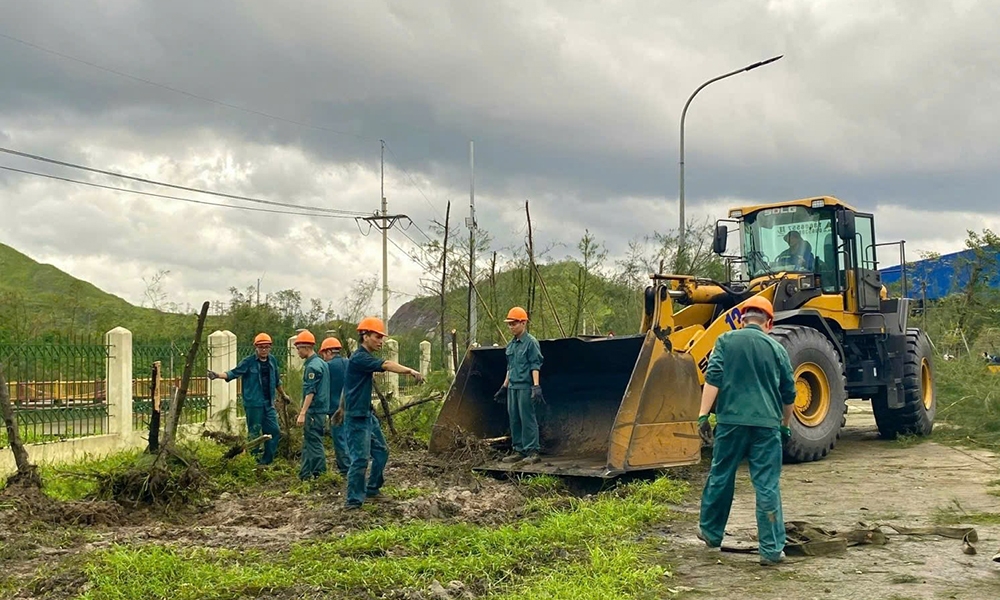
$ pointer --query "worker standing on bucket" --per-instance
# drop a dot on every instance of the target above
(749, 379)
(315, 406)
(261, 384)
(336, 364)
(365, 439)
(521, 390)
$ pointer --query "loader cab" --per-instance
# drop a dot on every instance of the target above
(826, 241)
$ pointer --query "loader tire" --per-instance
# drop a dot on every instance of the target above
(821, 395)
(916, 417)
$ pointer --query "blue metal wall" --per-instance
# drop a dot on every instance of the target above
(944, 275)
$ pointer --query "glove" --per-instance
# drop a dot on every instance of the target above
(786, 434)
(536, 395)
(212, 375)
(501, 396)
(705, 430)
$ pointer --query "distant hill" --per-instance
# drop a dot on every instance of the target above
(610, 306)
(38, 299)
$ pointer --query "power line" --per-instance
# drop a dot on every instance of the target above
(166, 197)
(179, 91)
(53, 161)
(412, 182)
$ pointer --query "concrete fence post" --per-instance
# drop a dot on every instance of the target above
(119, 385)
(392, 379)
(294, 362)
(352, 344)
(222, 356)
(450, 360)
(425, 358)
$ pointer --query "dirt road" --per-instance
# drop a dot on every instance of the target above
(864, 479)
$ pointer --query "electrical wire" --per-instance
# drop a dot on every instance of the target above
(351, 213)
(244, 109)
(179, 91)
(167, 197)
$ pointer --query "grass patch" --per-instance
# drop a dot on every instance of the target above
(407, 493)
(584, 550)
(79, 481)
(968, 398)
(954, 517)
(541, 484)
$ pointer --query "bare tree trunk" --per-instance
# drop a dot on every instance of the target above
(444, 280)
(493, 287)
(26, 472)
(174, 418)
(531, 265)
(454, 349)
(385, 408)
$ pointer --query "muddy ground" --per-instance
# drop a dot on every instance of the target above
(863, 480)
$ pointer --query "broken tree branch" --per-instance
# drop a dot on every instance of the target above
(385, 408)
(174, 418)
(27, 473)
(154, 418)
(410, 405)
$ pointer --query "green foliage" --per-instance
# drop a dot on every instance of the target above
(968, 397)
(584, 551)
(418, 421)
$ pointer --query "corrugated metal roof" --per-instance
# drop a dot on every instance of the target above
(946, 274)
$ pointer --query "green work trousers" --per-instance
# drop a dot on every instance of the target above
(263, 420)
(313, 452)
(761, 446)
(523, 421)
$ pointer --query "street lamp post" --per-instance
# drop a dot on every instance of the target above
(682, 241)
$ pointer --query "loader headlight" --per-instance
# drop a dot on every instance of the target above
(735, 214)
(818, 203)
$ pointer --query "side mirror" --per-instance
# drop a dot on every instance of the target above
(721, 238)
(846, 229)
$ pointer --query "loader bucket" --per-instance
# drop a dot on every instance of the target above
(612, 405)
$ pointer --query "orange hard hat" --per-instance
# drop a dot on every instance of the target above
(372, 324)
(517, 314)
(262, 338)
(759, 303)
(330, 343)
(305, 337)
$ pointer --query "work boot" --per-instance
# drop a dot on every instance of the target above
(702, 537)
(531, 459)
(767, 562)
(512, 458)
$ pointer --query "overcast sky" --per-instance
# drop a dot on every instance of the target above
(574, 105)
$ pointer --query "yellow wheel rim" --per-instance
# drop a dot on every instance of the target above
(926, 385)
(812, 394)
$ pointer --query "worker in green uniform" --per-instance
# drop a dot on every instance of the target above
(365, 439)
(315, 405)
(329, 351)
(521, 390)
(749, 380)
(261, 385)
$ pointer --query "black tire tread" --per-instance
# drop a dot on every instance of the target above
(799, 449)
(913, 418)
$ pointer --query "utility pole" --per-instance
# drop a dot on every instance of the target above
(384, 222)
(385, 241)
(471, 223)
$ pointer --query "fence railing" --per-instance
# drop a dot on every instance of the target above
(171, 357)
(58, 387)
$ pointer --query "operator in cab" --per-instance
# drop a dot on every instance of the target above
(749, 381)
(798, 256)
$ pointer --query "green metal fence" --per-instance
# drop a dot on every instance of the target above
(171, 357)
(58, 387)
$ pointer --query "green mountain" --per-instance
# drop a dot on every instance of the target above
(38, 300)
(562, 299)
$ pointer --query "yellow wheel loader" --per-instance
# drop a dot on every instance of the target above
(630, 403)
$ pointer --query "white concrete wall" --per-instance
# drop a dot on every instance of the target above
(120, 434)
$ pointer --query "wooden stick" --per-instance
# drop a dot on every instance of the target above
(410, 405)
(154, 418)
(241, 448)
(385, 408)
